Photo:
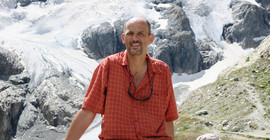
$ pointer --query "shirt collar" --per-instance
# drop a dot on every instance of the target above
(151, 64)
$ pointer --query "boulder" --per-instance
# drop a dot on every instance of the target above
(9, 63)
(208, 136)
(201, 112)
(251, 27)
(103, 40)
(11, 106)
(58, 100)
(208, 52)
(27, 119)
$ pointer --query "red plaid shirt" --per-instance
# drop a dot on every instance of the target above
(122, 116)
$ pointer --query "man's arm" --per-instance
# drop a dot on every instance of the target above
(170, 129)
(79, 124)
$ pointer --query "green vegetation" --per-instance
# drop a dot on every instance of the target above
(258, 76)
(248, 59)
(226, 98)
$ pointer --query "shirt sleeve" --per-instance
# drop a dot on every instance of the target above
(171, 113)
(94, 99)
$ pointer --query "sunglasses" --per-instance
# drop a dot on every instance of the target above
(151, 86)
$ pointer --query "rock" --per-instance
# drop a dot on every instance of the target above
(236, 79)
(175, 45)
(27, 119)
(24, 3)
(9, 63)
(226, 128)
(261, 86)
(11, 106)
(203, 10)
(265, 4)
(20, 79)
(251, 27)
(208, 123)
(208, 136)
(103, 40)
(235, 129)
(225, 122)
(161, 1)
(209, 55)
(201, 112)
(52, 105)
(8, 4)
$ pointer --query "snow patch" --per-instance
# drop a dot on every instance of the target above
(257, 39)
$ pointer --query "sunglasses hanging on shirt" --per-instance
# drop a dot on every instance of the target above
(151, 87)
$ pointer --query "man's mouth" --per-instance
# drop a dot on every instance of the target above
(135, 44)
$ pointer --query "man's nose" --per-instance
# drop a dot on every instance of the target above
(135, 37)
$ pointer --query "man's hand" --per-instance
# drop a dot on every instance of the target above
(79, 124)
(170, 129)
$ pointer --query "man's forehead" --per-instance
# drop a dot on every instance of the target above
(136, 22)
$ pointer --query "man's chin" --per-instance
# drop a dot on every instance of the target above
(135, 52)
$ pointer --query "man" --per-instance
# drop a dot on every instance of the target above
(131, 91)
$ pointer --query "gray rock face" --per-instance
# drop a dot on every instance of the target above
(11, 106)
(57, 100)
(28, 2)
(161, 1)
(13, 90)
(264, 3)
(8, 3)
(13, 3)
(175, 45)
(50, 108)
(103, 40)
(251, 27)
(9, 63)
(27, 118)
(208, 53)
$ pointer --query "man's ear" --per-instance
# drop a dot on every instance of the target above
(123, 38)
(152, 37)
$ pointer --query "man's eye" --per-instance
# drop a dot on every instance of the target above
(129, 34)
(141, 34)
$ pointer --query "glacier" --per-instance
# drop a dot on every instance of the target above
(46, 36)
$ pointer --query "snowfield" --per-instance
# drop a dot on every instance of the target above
(47, 37)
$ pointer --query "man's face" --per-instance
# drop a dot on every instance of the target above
(136, 37)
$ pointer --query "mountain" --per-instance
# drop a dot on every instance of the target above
(50, 48)
(236, 106)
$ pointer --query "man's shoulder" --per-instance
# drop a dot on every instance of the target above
(159, 65)
(114, 58)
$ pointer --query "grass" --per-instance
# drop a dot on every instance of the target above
(225, 101)
(188, 135)
(258, 75)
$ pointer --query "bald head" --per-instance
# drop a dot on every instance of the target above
(139, 20)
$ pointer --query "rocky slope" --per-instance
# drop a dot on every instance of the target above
(236, 106)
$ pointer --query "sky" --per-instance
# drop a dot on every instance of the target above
(47, 37)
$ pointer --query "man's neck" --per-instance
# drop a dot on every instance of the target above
(137, 63)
